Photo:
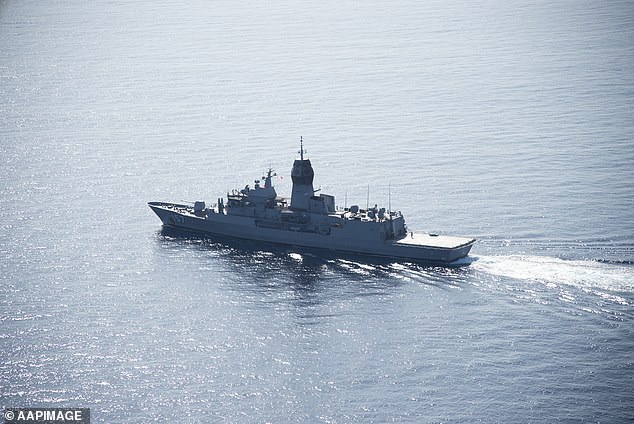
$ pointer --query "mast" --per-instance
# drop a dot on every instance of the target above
(302, 175)
(301, 147)
(367, 200)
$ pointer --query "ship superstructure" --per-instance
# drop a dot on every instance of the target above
(310, 220)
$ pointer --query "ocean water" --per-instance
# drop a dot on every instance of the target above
(509, 122)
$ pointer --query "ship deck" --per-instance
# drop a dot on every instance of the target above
(444, 242)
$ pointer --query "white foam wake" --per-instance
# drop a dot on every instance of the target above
(608, 276)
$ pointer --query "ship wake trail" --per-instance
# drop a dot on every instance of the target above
(584, 274)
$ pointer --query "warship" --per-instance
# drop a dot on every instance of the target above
(310, 220)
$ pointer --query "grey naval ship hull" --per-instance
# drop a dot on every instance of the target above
(310, 220)
(413, 247)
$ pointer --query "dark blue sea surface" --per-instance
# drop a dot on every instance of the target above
(508, 122)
